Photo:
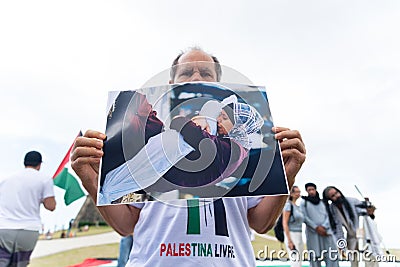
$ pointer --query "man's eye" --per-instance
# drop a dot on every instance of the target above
(205, 74)
(187, 73)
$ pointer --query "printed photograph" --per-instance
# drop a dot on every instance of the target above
(190, 140)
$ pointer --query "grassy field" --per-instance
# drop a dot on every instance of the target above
(263, 247)
(75, 256)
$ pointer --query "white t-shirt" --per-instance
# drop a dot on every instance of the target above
(20, 198)
(214, 234)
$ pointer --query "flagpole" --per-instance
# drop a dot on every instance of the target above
(66, 157)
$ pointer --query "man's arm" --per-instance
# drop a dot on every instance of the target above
(359, 206)
(285, 223)
(263, 216)
(85, 159)
(192, 133)
(49, 203)
(307, 220)
(326, 223)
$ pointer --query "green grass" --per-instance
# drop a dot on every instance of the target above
(263, 247)
(75, 256)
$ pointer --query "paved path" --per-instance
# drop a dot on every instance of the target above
(47, 247)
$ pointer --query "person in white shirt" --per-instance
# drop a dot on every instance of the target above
(21, 195)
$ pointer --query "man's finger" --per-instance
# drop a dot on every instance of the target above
(293, 144)
(85, 160)
(95, 134)
(88, 142)
(294, 154)
(276, 129)
(288, 134)
(84, 152)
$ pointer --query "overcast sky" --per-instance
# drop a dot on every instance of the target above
(331, 69)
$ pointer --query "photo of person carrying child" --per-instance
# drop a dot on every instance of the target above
(200, 151)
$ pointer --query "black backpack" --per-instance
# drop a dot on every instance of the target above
(278, 228)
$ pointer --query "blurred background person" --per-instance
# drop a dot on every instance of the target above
(292, 221)
(345, 212)
(125, 247)
(20, 221)
(319, 233)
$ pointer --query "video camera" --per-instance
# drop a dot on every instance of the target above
(369, 208)
(365, 204)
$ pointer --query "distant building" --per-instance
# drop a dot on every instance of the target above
(89, 214)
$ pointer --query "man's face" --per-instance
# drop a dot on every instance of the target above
(312, 192)
(195, 66)
(334, 195)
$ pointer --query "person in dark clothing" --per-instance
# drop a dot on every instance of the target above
(130, 115)
(319, 233)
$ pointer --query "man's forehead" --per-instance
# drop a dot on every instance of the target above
(201, 65)
(195, 55)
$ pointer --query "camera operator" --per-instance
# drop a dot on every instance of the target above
(353, 215)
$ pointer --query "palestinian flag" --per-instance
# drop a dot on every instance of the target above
(65, 178)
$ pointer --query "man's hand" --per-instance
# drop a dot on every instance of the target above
(85, 159)
(291, 245)
(293, 151)
(371, 211)
(321, 230)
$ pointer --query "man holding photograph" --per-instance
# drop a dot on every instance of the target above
(219, 233)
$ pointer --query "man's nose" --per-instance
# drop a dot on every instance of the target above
(196, 77)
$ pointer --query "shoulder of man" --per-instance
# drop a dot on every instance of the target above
(40, 176)
(353, 200)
